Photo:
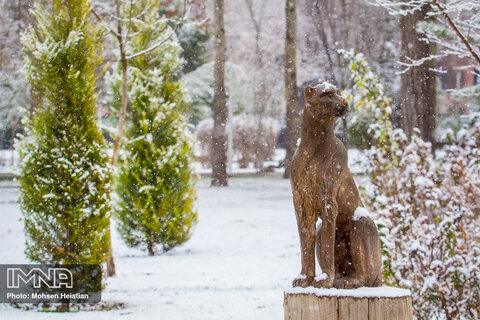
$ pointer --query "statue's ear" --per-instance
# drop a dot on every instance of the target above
(308, 92)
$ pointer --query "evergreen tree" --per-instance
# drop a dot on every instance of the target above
(155, 184)
(194, 50)
(65, 176)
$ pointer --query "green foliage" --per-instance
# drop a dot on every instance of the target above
(370, 103)
(194, 51)
(358, 125)
(368, 97)
(155, 180)
(65, 178)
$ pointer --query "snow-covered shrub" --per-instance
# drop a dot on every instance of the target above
(429, 220)
(155, 181)
(251, 143)
(427, 212)
(243, 129)
(64, 176)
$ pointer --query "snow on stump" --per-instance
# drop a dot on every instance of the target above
(382, 303)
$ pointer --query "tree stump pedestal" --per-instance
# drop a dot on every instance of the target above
(383, 303)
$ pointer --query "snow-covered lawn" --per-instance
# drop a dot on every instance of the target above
(6, 164)
(243, 253)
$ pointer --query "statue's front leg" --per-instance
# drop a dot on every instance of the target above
(327, 245)
(306, 230)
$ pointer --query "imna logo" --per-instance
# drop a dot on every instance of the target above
(53, 278)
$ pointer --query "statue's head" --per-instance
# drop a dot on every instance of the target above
(324, 102)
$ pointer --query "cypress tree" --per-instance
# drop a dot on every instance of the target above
(65, 177)
(155, 183)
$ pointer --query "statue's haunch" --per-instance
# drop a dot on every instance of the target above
(346, 239)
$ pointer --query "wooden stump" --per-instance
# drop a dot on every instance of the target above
(383, 303)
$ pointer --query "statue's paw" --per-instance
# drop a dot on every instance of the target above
(322, 281)
(302, 281)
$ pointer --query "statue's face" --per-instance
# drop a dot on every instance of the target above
(325, 101)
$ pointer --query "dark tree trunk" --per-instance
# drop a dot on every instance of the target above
(220, 111)
(124, 95)
(259, 100)
(151, 251)
(260, 91)
(418, 92)
(64, 307)
(291, 96)
(123, 105)
(111, 270)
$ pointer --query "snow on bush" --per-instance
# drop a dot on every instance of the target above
(204, 133)
(155, 183)
(253, 141)
(65, 177)
(426, 209)
(428, 218)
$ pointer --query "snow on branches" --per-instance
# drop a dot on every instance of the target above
(155, 182)
(426, 210)
(65, 178)
(454, 28)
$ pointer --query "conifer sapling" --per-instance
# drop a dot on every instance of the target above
(155, 181)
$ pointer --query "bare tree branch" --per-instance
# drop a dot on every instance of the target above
(100, 19)
(158, 44)
(132, 18)
(459, 34)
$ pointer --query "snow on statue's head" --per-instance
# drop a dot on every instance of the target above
(327, 86)
(324, 101)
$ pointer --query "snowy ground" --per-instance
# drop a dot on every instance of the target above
(244, 252)
(8, 160)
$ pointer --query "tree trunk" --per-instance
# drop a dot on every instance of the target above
(64, 307)
(116, 146)
(123, 106)
(260, 91)
(259, 101)
(19, 9)
(220, 111)
(291, 96)
(121, 123)
(111, 271)
(418, 92)
(69, 248)
(151, 252)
